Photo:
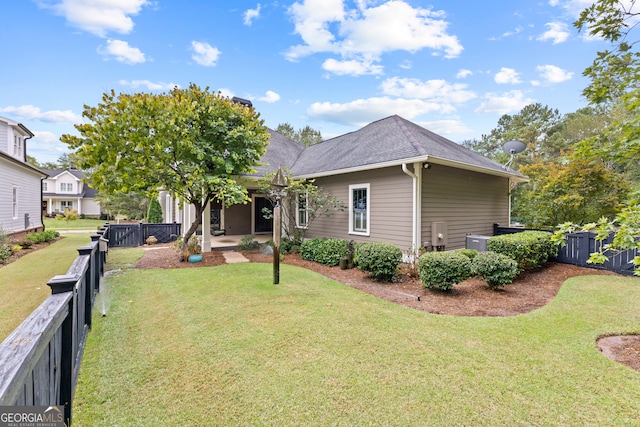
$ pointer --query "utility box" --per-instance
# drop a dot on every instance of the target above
(479, 243)
(439, 238)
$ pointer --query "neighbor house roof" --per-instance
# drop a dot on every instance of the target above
(87, 192)
(386, 142)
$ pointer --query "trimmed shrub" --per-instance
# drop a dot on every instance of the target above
(5, 253)
(290, 246)
(495, 269)
(324, 251)
(43, 236)
(442, 270)
(25, 243)
(381, 260)
(469, 253)
(247, 243)
(530, 249)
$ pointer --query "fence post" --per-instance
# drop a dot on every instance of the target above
(58, 285)
(89, 283)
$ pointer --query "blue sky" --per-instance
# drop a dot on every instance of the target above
(451, 66)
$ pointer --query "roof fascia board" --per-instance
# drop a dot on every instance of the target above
(430, 159)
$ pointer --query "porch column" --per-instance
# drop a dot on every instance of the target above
(206, 228)
(79, 205)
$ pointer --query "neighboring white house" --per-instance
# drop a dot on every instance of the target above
(20, 192)
(64, 189)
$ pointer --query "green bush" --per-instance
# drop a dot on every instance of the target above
(154, 213)
(442, 270)
(5, 253)
(495, 269)
(248, 243)
(469, 253)
(324, 251)
(530, 249)
(378, 259)
(290, 246)
(43, 236)
(25, 243)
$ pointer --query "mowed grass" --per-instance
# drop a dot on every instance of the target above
(78, 224)
(223, 346)
(23, 283)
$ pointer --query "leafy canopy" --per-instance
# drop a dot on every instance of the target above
(190, 141)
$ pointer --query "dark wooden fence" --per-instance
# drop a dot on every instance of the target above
(132, 235)
(580, 246)
(40, 359)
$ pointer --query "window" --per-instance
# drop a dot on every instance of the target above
(302, 216)
(66, 187)
(66, 204)
(359, 209)
(17, 145)
(45, 186)
(15, 202)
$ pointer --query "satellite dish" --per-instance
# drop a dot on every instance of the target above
(513, 147)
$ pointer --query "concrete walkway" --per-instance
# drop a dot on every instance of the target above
(232, 257)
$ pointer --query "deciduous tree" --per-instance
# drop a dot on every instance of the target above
(191, 142)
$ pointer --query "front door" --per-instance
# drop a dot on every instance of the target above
(261, 224)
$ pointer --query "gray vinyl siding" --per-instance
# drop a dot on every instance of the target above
(390, 199)
(4, 137)
(29, 196)
(468, 202)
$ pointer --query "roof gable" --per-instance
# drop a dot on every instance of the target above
(392, 140)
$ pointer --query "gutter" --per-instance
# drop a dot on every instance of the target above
(416, 213)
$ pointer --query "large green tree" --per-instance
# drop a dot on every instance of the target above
(535, 125)
(615, 78)
(305, 136)
(191, 142)
(577, 191)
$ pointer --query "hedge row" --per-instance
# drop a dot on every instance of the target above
(507, 257)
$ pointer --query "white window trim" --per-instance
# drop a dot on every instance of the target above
(306, 211)
(367, 187)
(66, 187)
(62, 208)
(45, 186)
(14, 202)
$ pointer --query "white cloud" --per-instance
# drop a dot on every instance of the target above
(226, 92)
(122, 52)
(463, 74)
(149, 84)
(363, 111)
(553, 74)
(98, 17)
(270, 97)
(504, 103)
(204, 54)
(34, 113)
(251, 14)
(46, 137)
(435, 90)
(366, 33)
(353, 67)
(446, 127)
(406, 65)
(558, 32)
(507, 76)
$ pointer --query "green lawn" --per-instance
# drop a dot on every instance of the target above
(23, 283)
(223, 346)
(78, 224)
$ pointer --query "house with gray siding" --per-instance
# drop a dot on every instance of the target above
(21, 191)
(402, 183)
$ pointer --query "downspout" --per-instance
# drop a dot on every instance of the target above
(416, 226)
